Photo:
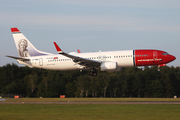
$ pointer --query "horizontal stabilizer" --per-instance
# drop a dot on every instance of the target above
(19, 58)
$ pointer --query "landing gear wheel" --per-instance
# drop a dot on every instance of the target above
(93, 72)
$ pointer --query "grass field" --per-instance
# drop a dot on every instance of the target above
(88, 112)
(89, 99)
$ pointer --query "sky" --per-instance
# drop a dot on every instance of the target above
(91, 25)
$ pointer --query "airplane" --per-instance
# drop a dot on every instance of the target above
(105, 61)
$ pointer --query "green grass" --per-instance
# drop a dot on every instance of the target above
(88, 112)
(88, 99)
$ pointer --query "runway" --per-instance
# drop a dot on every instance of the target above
(141, 102)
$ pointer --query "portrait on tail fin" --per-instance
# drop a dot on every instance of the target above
(23, 51)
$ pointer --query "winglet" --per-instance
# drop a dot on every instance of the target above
(78, 51)
(14, 30)
(57, 48)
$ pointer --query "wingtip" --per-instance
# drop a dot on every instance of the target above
(14, 30)
(57, 48)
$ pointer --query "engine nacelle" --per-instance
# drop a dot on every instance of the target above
(109, 66)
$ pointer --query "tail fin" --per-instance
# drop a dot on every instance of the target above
(24, 46)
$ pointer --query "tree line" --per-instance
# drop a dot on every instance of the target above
(129, 82)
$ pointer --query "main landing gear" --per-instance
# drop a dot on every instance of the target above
(93, 72)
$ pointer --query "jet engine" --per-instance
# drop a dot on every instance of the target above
(109, 66)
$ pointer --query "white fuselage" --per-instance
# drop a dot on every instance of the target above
(60, 62)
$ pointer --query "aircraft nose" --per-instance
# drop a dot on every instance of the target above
(172, 57)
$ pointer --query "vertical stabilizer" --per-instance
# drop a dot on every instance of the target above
(24, 46)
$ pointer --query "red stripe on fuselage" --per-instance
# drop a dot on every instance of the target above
(150, 57)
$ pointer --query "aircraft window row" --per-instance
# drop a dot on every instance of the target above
(164, 53)
(141, 55)
(122, 56)
(59, 60)
(99, 57)
(71, 59)
(92, 58)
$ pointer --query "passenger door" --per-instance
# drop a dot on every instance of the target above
(40, 61)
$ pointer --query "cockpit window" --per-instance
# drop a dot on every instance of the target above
(164, 53)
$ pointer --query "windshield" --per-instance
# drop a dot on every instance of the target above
(164, 53)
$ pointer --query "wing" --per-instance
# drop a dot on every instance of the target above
(79, 60)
